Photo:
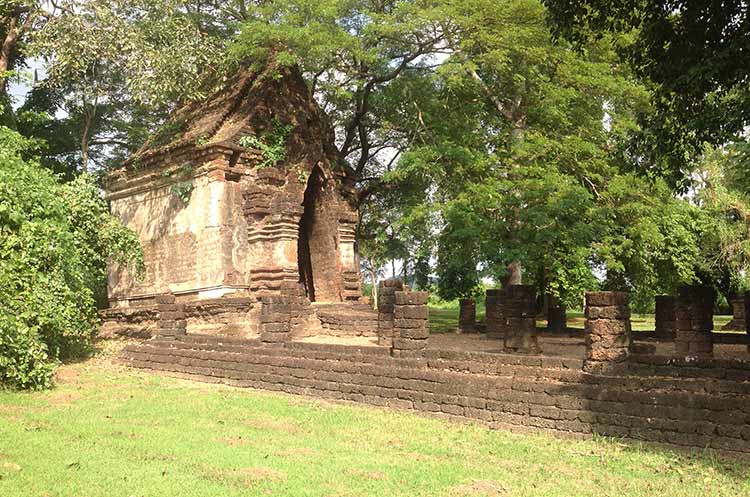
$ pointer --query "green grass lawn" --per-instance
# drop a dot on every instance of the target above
(444, 317)
(108, 431)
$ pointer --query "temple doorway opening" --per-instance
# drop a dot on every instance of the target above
(316, 247)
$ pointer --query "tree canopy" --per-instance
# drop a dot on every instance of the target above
(692, 53)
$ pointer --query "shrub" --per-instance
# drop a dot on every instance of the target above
(54, 243)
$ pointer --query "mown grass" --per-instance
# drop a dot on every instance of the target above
(109, 431)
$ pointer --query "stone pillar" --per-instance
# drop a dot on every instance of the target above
(519, 310)
(301, 312)
(275, 319)
(664, 326)
(172, 321)
(556, 319)
(386, 304)
(738, 315)
(607, 329)
(467, 316)
(411, 325)
(694, 321)
(493, 317)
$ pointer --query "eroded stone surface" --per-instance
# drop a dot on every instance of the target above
(694, 321)
(607, 329)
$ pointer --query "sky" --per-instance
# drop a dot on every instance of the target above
(20, 87)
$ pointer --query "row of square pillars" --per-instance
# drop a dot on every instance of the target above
(687, 319)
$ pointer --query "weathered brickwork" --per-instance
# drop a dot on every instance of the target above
(694, 321)
(519, 311)
(493, 318)
(467, 316)
(386, 308)
(410, 326)
(664, 316)
(216, 219)
(347, 319)
(738, 315)
(172, 320)
(230, 316)
(689, 403)
(607, 329)
(276, 318)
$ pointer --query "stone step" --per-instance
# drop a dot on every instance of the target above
(347, 319)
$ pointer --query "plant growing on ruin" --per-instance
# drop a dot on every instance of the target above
(271, 145)
(182, 190)
(169, 132)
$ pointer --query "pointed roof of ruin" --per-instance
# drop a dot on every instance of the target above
(248, 104)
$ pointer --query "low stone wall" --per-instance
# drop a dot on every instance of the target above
(493, 317)
(607, 329)
(172, 322)
(229, 316)
(685, 402)
(410, 327)
(386, 307)
(519, 309)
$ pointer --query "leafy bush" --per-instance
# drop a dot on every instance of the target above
(55, 241)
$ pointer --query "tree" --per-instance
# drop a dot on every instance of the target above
(17, 19)
(694, 52)
(55, 241)
(108, 60)
(723, 198)
(468, 120)
(116, 69)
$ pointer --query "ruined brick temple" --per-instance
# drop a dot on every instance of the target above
(247, 220)
(237, 198)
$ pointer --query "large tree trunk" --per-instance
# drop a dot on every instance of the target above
(88, 119)
(515, 274)
(6, 64)
(6, 51)
(17, 22)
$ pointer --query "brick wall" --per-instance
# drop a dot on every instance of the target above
(467, 316)
(688, 402)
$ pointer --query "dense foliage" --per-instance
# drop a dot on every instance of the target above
(696, 55)
(55, 241)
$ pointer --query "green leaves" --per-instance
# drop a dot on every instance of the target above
(55, 242)
(272, 145)
(160, 51)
